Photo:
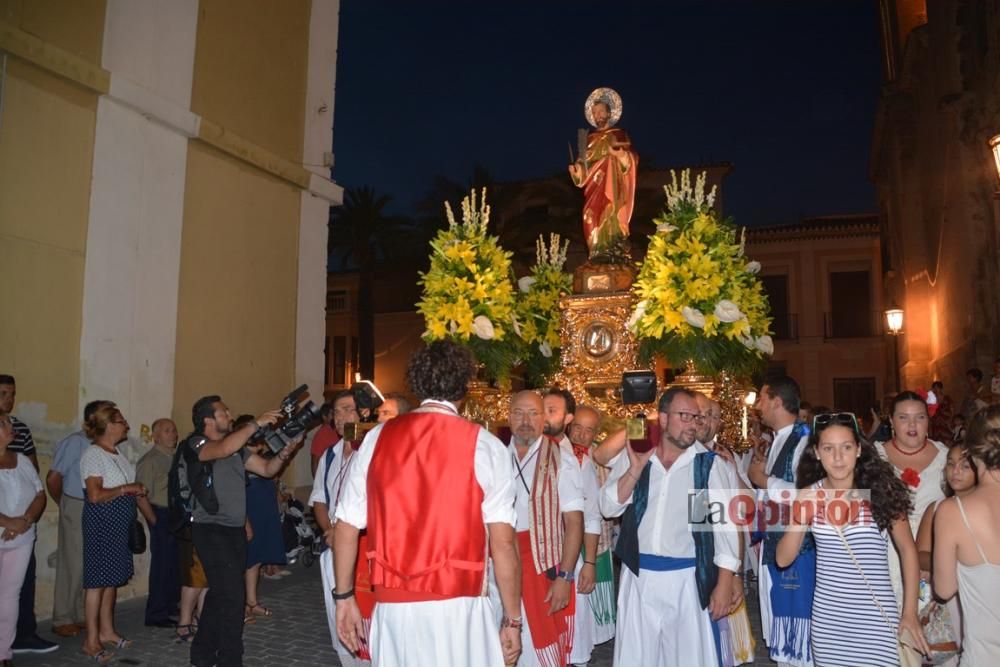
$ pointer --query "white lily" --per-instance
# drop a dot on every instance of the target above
(545, 349)
(748, 342)
(664, 228)
(482, 327)
(637, 314)
(753, 267)
(765, 345)
(524, 284)
(693, 316)
(727, 311)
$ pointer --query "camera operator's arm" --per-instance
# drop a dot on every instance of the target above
(220, 449)
(272, 467)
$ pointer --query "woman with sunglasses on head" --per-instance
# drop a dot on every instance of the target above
(917, 460)
(854, 614)
(967, 559)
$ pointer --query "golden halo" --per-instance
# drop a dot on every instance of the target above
(610, 97)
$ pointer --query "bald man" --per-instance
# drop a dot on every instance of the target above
(549, 506)
(164, 582)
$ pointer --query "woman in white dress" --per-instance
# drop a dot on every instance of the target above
(967, 546)
(919, 462)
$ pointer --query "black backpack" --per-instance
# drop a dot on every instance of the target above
(188, 482)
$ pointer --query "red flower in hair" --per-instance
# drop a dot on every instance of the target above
(911, 477)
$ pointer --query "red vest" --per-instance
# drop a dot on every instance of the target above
(426, 536)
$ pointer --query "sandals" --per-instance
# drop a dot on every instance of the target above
(102, 657)
(122, 643)
(186, 636)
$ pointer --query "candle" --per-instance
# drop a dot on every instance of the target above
(744, 423)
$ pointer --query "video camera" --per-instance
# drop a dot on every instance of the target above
(367, 397)
(297, 420)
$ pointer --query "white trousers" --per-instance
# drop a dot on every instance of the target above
(661, 622)
(347, 659)
(586, 625)
(460, 632)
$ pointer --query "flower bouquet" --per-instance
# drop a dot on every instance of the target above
(538, 313)
(699, 298)
(468, 291)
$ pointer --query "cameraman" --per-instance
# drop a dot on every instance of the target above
(220, 538)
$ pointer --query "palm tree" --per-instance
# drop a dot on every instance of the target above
(361, 233)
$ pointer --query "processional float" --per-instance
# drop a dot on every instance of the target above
(695, 301)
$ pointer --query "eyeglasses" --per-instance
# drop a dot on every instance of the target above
(835, 419)
(687, 417)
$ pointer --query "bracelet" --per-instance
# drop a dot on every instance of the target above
(590, 562)
(341, 596)
(511, 622)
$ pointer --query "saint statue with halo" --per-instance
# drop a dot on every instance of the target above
(606, 170)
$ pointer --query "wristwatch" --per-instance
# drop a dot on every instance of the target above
(565, 576)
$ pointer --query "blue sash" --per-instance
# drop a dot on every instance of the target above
(664, 563)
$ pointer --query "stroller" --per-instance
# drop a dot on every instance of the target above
(301, 536)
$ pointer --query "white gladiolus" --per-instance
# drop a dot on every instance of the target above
(727, 311)
(637, 314)
(664, 228)
(765, 345)
(753, 267)
(482, 327)
(545, 349)
(693, 316)
(524, 284)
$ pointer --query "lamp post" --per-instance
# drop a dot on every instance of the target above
(894, 322)
(995, 146)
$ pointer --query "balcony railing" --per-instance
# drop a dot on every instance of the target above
(853, 324)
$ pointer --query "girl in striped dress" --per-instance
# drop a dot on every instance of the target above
(855, 619)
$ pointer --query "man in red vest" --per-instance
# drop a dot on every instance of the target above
(435, 493)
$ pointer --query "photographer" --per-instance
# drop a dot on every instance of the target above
(220, 537)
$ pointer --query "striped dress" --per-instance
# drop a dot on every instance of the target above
(848, 629)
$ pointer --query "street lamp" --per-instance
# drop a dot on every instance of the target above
(894, 322)
(995, 145)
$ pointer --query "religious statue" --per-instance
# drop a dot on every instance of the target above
(606, 170)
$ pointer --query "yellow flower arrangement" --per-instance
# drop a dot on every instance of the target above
(699, 298)
(467, 291)
(538, 312)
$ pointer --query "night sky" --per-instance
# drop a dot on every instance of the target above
(785, 91)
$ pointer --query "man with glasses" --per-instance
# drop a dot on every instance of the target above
(678, 565)
(785, 595)
(549, 507)
(328, 486)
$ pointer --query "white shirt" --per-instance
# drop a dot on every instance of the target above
(491, 469)
(330, 481)
(591, 491)
(776, 484)
(18, 487)
(523, 475)
(664, 530)
(113, 469)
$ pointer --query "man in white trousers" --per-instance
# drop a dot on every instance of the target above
(676, 576)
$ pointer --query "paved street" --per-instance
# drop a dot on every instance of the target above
(296, 634)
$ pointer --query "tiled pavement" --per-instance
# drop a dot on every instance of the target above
(295, 636)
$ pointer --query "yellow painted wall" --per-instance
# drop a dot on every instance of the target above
(74, 25)
(46, 152)
(238, 282)
(250, 70)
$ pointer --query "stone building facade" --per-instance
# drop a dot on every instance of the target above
(163, 209)
(937, 184)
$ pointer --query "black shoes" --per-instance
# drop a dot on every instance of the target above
(33, 644)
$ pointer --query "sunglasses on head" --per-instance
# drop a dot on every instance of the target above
(835, 419)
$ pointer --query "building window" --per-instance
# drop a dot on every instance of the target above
(339, 361)
(783, 322)
(851, 314)
(337, 301)
(855, 395)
